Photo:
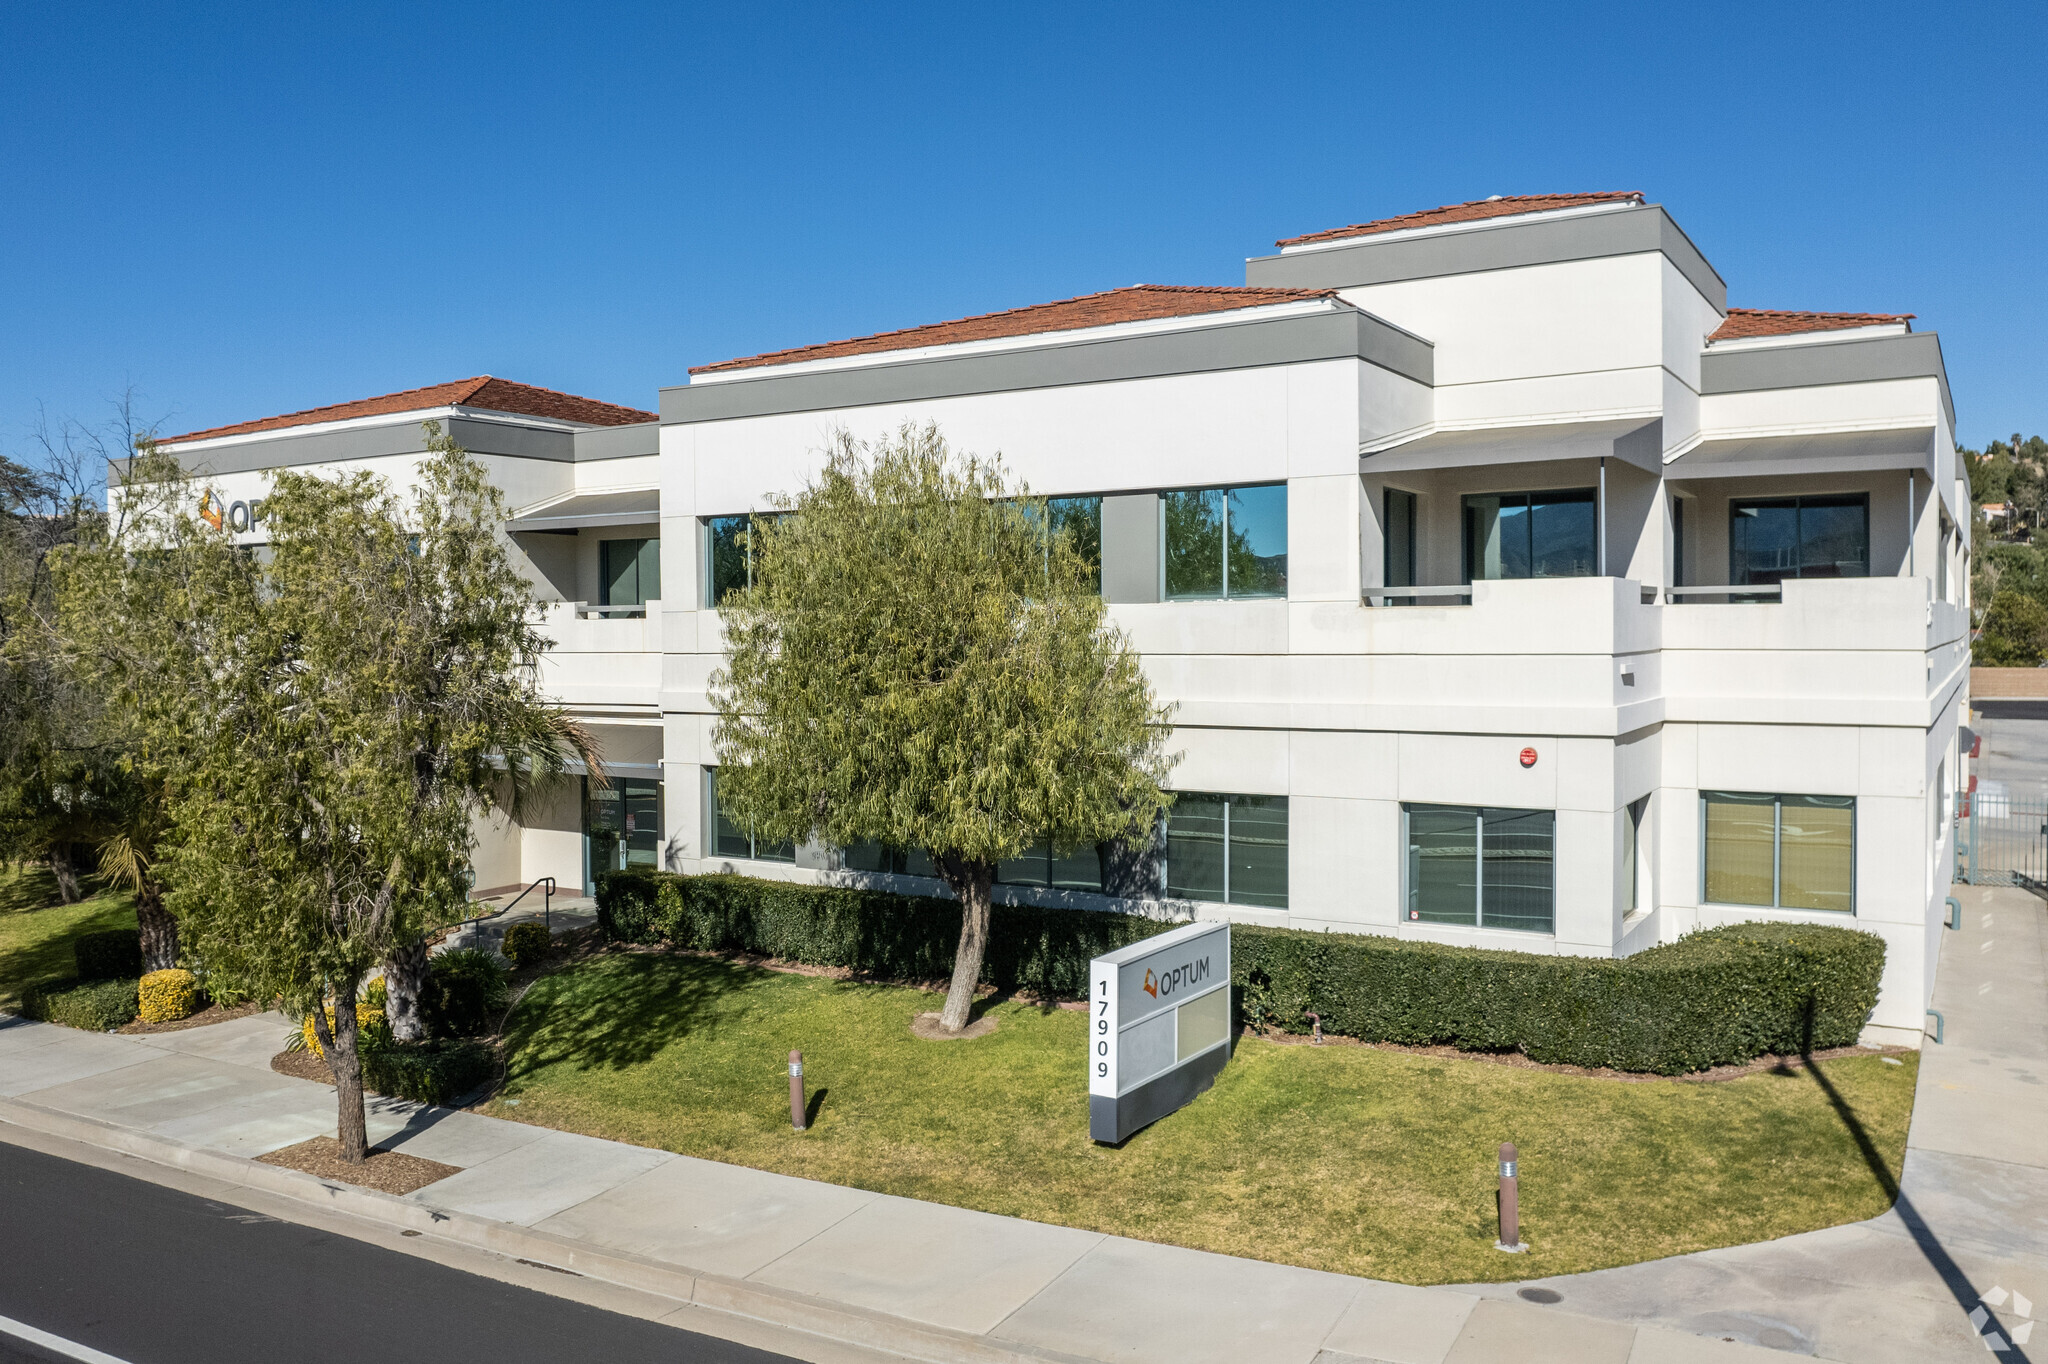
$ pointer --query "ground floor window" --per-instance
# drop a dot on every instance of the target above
(1040, 865)
(621, 827)
(729, 839)
(876, 857)
(1228, 849)
(1481, 866)
(1785, 852)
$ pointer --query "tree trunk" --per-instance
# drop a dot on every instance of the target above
(970, 881)
(64, 866)
(159, 929)
(346, 1063)
(405, 984)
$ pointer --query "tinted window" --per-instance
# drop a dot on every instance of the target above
(1531, 535)
(1772, 539)
(1224, 542)
(1228, 849)
(1489, 867)
(629, 572)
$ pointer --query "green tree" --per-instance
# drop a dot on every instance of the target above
(333, 716)
(918, 663)
(2015, 633)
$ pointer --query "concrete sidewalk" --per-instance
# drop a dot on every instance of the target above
(926, 1281)
(1972, 1217)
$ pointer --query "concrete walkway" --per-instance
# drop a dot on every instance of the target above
(1972, 1217)
(925, 1281)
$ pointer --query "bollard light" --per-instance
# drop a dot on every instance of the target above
(1510, 1203)
(796, 1090)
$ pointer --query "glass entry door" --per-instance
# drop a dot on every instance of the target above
(621, 828)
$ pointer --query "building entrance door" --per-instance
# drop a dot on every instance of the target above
(621, 828)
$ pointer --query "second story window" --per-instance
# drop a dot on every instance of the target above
(1224, 542)
(629, 574)
(1775, 538)
(729, 557)
(1531, 535)
(1080, 518)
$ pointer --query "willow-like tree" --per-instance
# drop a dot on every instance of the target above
(340, 709)
(921, 661)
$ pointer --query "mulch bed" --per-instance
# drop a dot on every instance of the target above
(389, 1172)
(302, 1065)
(1781, 1065)
(211, 1014)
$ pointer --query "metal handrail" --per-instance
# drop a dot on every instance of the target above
(546, 903)
(1464, 590)
(1746, 590)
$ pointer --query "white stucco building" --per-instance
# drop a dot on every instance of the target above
(1511, 588)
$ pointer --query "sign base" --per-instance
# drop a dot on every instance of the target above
(1111, 1120)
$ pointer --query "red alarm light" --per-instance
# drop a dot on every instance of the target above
(1528, 757)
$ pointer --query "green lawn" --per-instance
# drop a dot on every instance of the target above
(1341, 1157)
(36, 932)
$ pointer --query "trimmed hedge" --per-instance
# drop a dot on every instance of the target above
(465, 993)
(429, 1072)
(113, 955)
(876, 933)
(95, 1005)
(526, 945)
(167, 996)
(1717, 997)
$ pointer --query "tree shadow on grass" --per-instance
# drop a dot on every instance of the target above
(620, 1010)
(25, 888)
(1967, 1297)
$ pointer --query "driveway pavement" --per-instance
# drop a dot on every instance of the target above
(927, 1281)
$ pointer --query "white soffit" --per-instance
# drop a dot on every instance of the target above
(1822, 452)
(636, 507)
(1516, 445)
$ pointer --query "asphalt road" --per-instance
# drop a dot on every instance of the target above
(154, 1276)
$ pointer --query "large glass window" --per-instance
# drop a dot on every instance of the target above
(1787, 852)
(621, 827)
(1772, 539)
(878, 857)
(1224, 542)
(1492, 868)
(730, 839)
(1227, 849)
(729, 555)
(1398, 526)
(629, 572)
(1080, 519)
(1531, 535)
(1040, 865)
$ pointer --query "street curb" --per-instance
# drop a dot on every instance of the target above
(718, 1293)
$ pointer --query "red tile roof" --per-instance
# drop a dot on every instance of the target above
(483, 392)
(1499, 206)
(1746, 322)
(1139, 303)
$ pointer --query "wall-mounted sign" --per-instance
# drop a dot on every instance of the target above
(240, 517)
(1158, 1027)
(1528, 757)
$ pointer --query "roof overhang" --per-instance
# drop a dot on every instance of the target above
(1632, 439)
(632, 507)
(1825, 452)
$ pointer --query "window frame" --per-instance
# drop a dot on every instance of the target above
(1229, 800)
(1410, 915)
(639, 558)
(1588, 495)
(1778, 851)
(1798, 503)
(1223, 542)
(712, 814)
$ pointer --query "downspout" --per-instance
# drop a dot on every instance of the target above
(1912, 493)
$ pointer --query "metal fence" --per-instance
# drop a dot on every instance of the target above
(2002, 839)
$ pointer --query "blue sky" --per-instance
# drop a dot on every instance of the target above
(241, 211)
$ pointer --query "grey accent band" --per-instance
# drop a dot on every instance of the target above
(1114, 1119)
(1913, 355)
(1130, 548)
(292, 449)
(1331, 335)
(1506, 246)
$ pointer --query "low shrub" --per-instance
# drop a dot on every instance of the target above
(526, 945)
(95, 1005)
(113, 955)
(1716, 997)
(465, 993)
(1713, 998)
(430, 1072)
(167, 996)
(373, 1029)
(876, 933)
